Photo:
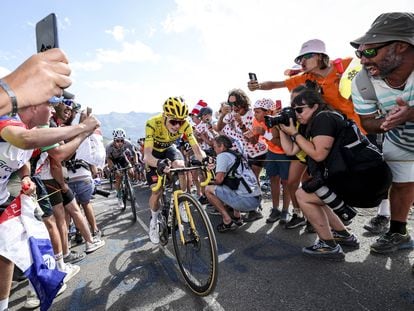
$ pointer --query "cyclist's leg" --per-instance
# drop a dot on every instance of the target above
(153, 203)
(177, 161)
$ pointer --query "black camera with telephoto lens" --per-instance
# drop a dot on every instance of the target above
(281, 118)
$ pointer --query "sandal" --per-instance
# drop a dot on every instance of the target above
(222, 227)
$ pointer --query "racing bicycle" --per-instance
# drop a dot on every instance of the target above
(127, 191)
(195, 245)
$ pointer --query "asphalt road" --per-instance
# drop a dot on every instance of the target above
(261, 268)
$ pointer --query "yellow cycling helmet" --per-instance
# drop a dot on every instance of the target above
(176, 108)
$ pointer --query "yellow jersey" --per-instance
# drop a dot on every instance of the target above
(159, 138)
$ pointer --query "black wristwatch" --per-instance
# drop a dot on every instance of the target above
(293, 137)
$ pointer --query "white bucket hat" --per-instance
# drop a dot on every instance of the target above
(311, 46)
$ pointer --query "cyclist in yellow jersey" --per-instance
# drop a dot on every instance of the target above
(160, 152)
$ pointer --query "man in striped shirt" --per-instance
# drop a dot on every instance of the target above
(387, 54)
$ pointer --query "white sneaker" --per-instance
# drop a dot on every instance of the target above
(32, 302)
(183, 212)
(154, 234)
(70, 270)
(96, 244)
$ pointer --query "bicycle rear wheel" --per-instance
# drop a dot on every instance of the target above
(197, 257)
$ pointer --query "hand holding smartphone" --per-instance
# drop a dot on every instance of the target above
(47, 38)
(252, 76)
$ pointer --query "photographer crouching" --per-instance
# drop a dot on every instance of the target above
(345, 169)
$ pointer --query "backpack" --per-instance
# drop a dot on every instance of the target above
(231, 179)
(351, 151)
(365, 87)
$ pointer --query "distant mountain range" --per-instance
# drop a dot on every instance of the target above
(133, 123)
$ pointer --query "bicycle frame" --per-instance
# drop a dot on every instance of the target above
(177, 192)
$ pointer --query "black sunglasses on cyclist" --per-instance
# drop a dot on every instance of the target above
(371, 52)
(299, 109)
(175, 122)
(119, 140)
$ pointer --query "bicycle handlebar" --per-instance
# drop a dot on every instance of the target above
(161, 178)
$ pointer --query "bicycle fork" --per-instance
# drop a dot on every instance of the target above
(176, 194)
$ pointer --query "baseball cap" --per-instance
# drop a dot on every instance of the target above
(264, 103)
(55, 100)
(311, 46)
(393, 26)
(198, 106)
(204, 111)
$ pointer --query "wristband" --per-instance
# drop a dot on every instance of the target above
(293, 137)
(12, 96)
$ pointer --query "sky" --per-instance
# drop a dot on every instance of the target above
(131, 55)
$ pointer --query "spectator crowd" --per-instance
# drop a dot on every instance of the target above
(339, 144)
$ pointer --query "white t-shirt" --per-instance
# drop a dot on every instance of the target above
(11, 157)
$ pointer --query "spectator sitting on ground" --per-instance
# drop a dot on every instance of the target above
(238, 123)
(235, 187)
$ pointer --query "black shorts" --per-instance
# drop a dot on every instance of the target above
(363, 189)
(42, 197)
(120, 162)
(171, 153)
(56, 195)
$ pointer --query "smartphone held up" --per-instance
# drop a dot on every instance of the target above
(46, 33)
(252, 76)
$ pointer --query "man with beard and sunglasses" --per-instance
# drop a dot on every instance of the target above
(387, 54)
(160, 152)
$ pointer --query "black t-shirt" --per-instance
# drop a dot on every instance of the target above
(326, 123)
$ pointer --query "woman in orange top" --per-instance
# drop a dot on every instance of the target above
(316, 67)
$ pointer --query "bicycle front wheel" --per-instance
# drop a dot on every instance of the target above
(131, 195)
(124, 193)
(197, 256)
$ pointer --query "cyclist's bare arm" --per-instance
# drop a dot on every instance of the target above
(198, 152)
(149, 159)
(110, 163)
